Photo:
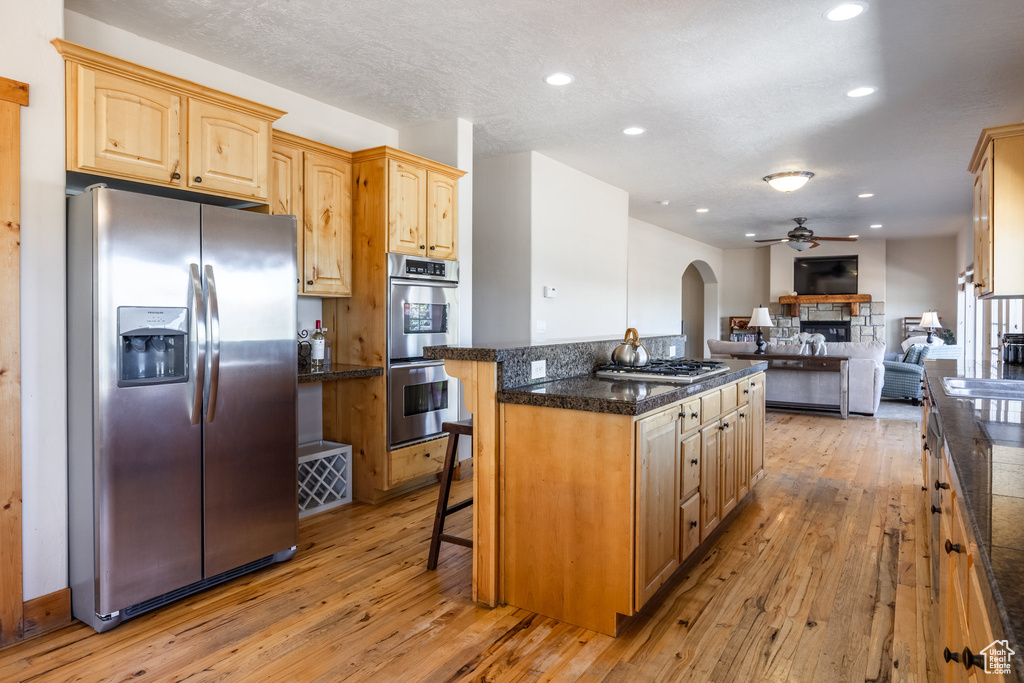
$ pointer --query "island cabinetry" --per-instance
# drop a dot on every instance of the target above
(127, 121)
(998, 166)
(658, 513)
(422, 209)
(313, 182)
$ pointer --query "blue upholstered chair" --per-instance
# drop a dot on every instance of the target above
(903, 378)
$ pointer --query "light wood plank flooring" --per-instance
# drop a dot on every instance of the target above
(820, 577)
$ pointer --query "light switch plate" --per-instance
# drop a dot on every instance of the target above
(538, 369)
(550, 292)
(542, 327)
(671, 352)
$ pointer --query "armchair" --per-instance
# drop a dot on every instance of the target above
(903, 378)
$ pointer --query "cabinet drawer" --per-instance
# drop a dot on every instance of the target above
(690, 512)
(710, 405)
(691, 415)
(728, 397)
(415, 461)
(743, 392)
(690, 453)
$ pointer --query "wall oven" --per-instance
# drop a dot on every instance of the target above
(423, 310)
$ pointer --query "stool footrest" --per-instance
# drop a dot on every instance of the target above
(443, 509)
(459, 506)
(456, 540)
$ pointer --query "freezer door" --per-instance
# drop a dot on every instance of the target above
(147, 463)
(250, 435)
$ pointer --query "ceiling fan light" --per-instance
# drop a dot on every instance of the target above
(789, 181)
(799, 246)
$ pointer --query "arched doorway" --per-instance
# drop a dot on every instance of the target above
(699, 307)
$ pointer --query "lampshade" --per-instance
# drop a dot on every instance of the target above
(930, 319)
(789, 181)
(799, 246)
(760, 318)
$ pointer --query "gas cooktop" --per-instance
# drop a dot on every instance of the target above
(683, 370)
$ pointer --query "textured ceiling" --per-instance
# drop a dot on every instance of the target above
(728, 92)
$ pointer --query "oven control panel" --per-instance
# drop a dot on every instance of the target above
(432, 268)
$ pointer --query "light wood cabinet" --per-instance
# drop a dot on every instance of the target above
(313, 182)
(755, 436)
(998, 166)
(690, 454)
(422, 209)
(690, 513)
(744, 452)
(710, 472)
(728, 480)
(126, 121)
(658, 515)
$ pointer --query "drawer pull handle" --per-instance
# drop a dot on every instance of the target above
(971, 659)
(693, 524)
(694, 461)
(423, 246)
(198, 179)
(941, 485)
(950, 656)
(936, 510)
(926, 447)
(952, 547)
(743, 414)
(309, 282)
(176, 176)
(432, 247)
(746, 391)
(694, 415)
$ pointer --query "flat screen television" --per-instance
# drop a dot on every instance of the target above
(825, 275)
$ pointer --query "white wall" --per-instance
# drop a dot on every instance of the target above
(579, 228)
(965, 248)
(920, 276)
(501, 248)
(870, 266)
(747, 283)
(693, 311)
(26, 55)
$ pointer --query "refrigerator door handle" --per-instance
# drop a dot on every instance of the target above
(196, 285)
(213, 314)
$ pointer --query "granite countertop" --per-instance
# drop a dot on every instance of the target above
(338, 371)
(620, 396)
(985, 441)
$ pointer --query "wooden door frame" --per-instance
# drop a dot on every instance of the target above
(13, 96)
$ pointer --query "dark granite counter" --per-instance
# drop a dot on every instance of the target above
(620, 396)
(985, 441)
(340, 371)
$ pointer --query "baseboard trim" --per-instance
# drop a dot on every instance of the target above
(46, 613)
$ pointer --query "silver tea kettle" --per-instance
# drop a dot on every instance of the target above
(631, 352)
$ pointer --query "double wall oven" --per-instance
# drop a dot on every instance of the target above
(423, 310)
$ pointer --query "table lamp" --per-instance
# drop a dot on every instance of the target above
(930, 321)
(760, 318)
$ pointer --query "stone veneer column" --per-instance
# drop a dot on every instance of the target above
(867, 326)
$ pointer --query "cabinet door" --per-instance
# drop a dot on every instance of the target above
(709, 504)
(727, 463)
(690, 511)
(407, 209)
(657, 501)
(124, 128)
(327, 224)
(743, 452)
(983, 242)
(286, 191)
(756, 406)
(442, 216)
(690, 453)
(228, 151)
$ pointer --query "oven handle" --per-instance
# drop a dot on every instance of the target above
(416, 364)
(446, 284)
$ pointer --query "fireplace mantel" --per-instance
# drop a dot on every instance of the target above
(793, 302)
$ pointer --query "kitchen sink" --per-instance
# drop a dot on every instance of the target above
(996, 389)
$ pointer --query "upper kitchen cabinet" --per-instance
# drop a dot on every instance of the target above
(127, 121)
(422, 203)
(998, 168)
(313, 182)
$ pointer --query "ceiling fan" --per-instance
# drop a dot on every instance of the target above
(801, 238)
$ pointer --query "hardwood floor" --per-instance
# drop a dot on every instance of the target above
(820, 577)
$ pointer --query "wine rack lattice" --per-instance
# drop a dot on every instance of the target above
(325, 475)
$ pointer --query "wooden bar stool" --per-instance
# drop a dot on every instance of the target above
(454, 429)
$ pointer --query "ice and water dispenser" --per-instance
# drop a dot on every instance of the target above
(153, 345)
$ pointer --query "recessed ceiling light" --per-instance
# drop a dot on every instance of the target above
(633, 130)
(866, 195)
(853, 237)
(877, 225)
(861, 92)
(663, 202)
(559, 78)
(703, 210)
(750, 234)
(846, 10)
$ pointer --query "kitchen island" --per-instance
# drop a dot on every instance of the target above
(589, 493)
(974, 471)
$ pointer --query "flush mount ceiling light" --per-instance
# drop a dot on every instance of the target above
(633, 130)
(559, 78)
(799, 246)
(846, 10)
(703, 210)
(876, 225)
(789, 181)
(866, 195)
(861, 92)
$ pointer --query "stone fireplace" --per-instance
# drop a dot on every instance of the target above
(867, 325)
(832, 330)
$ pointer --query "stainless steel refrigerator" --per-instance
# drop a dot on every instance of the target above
(181, 398)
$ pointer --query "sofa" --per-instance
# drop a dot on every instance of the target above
(867, 374)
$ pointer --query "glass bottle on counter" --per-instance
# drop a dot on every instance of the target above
(317, 355)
